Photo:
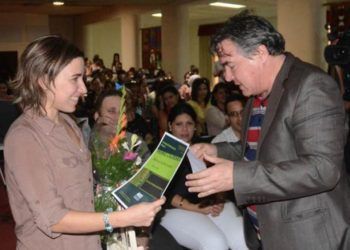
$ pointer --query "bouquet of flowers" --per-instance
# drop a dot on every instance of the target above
(115, 161)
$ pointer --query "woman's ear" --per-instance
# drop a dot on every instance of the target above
(96, 116)
(43, 83)
(169, 126)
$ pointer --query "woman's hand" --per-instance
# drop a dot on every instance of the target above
(216, 209)
(203, 210)
(213, 210)
(138, 215)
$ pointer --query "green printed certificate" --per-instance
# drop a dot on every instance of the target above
(152, 179)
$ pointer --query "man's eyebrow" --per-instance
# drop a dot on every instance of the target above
(224, 63)
(221, 52)
(77, 74)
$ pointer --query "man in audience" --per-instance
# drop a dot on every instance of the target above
(234, 109)
(4, 95)
(8, 111)
(291, 182)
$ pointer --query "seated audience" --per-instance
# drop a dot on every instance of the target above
(194, 222)
(136, 123)
(107, 116)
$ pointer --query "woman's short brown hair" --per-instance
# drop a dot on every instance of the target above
(40, 63)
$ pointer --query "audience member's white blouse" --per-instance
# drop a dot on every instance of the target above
(226, 135)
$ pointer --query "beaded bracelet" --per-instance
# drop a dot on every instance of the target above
(108, 226)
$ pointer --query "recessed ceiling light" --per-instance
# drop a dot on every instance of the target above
(58, 3)
(157, 14)
(228, 5)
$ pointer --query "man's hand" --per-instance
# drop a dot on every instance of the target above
(218, 178)
(106, 126)
(200, 149)
(107, 120)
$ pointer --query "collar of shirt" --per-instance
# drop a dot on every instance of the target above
(259, 101)
(44, 122)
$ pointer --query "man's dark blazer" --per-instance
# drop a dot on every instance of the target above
(298, 180)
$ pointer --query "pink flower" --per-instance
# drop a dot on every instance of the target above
(129, 156)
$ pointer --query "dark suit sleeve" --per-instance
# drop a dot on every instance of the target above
(302, 151)
(229, 151)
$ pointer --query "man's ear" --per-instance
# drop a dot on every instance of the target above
(262, 52)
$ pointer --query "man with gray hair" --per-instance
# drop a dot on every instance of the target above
(290, 179)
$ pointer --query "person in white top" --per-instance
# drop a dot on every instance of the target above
(215, 116)
(234, 108)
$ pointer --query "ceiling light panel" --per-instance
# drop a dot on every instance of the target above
(227, 5)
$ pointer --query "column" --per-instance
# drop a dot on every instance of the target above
(129, 41)
(301, 23)
(175, 40)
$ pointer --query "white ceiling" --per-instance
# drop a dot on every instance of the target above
(203, 11)
(71, 7)
(199, 9)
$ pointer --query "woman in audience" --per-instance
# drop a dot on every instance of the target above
(200, 102)
(169, 97)
(198, 223)
(115, 63)
(106, 116)
(215, 116)
(48, 167)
